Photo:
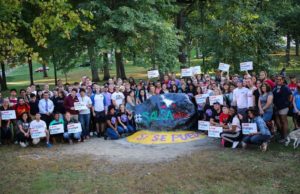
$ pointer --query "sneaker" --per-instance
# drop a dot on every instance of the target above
(23, 145)
(264, 146)
(91, 134)
(244, 145)
(16, 142)
(49, 145)
(235, 144)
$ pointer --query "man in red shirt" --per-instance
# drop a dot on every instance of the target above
(69, 104)
(292, 85)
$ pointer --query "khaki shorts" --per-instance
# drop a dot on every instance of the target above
(283, 111)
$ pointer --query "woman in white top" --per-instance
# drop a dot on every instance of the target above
(232, 132)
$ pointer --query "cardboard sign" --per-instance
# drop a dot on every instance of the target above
(203, 125)
(248, 128)
(196, 70)
(214, 131)
(224, 67)
(38, 133)
(153, 74)
(213, 99)
(186, 72)
(56, 129)
(246, 66)
(8, 114)
(201, 99)
(79, 106)
(74, 128)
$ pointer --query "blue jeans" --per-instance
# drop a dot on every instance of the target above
(256, 139)
(112, 133)
(267, 116)
(129, 129)
(72, 135)
(85, 119)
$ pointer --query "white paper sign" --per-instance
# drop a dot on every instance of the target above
(201, 99)
(153, 74)
(74, 128)
(203, 125)
(248, 128)
(246, 66)
(224, 67)
(8, 114)
(214, 131)
(38, 133)
(196, 70)
(186, 72)
(56, 129)
(213, 99)
(79, 106)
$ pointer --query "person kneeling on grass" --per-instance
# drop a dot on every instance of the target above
(113, 131)
(39, 124)
(69, 136)
(262, 136)
(123, 120)
(232, 132)
(23, 133)
(57, 120)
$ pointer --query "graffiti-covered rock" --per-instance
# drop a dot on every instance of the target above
(165, 112)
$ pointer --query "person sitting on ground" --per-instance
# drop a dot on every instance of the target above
(70, 136)
(40, 124)
(123, 120)
(113, 130)
(23, 133)
(57, 120)
(263, 134)
(232, 132)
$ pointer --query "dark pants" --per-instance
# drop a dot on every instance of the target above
(47, 119)
(256, 139)
(21, 137)
(6, 132)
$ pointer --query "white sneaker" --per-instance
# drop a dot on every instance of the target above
(264, 146)
(23, 145)
(244, 145)
(235, 144)
(91, 134)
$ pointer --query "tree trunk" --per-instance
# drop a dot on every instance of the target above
(55, 72)
(44, 69)
(180, 26)
(297, 46)
(120, 65)
(30, 69)
(106, 75)
(66, 77)
(3, 81)
(94, 68)
(287, 50)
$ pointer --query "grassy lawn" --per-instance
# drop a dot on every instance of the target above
(209, 171)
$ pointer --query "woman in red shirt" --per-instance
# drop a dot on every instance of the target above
(21, 107)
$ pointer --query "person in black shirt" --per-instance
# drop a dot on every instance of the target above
(5, 125)
(124, 119)
(216, 112)
(34, 105)
(113, 130)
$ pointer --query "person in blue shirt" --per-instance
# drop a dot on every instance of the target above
(263, 134)
(296, 104)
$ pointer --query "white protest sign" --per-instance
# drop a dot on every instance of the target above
(153, 74)
(79, 106)
(196, 70)
(203, 125)
(218, 98)
(214, 131)
(188, 72)
(38, 132)
(224, 67)
(74, 128)
(248, 128)
(246, 66)
(8, 114)
(56, 129)
(201, 99)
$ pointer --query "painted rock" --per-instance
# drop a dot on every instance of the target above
(165, 112)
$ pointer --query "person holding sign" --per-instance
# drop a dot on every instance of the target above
(113, 131)
(263, 134)
(57, 120)
(85, 115)
(69, 136)
(5, 124)
(40, 125)
(23, 133)
(216, 112)
(232, 132)
(69, 103)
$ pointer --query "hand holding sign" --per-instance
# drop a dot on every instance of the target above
(214, 131)
(56, 129)
(74, 128)
(203, 125)
(196, 70)
(153, 74)
(80, 106)
(246, 66)
(8, 114)
(224, 67)
(188, 72)
(249, 128)
(214, 99)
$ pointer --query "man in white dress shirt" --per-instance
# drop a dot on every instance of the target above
(46, 108)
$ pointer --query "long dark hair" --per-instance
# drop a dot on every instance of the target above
(28, 117)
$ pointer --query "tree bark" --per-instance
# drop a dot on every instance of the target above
(287, 50)
(94, 68)
(55, 72)
(44, 69)
(297, 46)
(30, 69)
(3, 81)
(106, 75)
(120, 65)
(180, 26)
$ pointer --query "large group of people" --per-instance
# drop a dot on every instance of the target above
(249, 98)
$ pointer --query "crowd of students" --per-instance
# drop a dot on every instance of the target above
(266, 101)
